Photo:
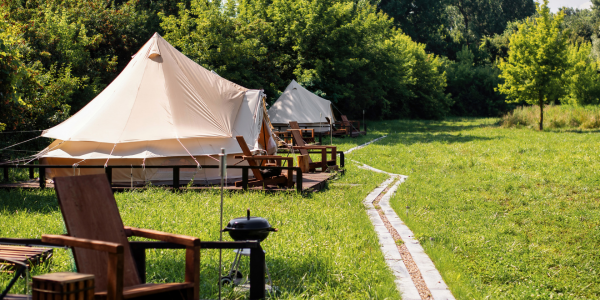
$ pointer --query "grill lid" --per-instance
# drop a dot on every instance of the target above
(248, 223)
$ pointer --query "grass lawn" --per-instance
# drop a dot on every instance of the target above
(513, 213)
(326, 247)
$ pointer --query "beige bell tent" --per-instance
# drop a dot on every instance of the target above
(300, 105)
(163, 109)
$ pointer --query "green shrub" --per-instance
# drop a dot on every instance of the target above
(556, 117)
(472, 87)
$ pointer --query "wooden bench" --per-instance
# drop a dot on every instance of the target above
(28, 255)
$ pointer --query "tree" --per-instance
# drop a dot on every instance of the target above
(537, 59)
(582, 78)
(472, 87)
(423, 20)
(59, 54)
(345, 51)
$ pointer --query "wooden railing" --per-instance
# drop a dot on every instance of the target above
(176, 170)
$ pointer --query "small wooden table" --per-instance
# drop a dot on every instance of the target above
(63, 285)
(28, 255)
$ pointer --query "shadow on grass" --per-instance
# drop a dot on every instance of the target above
(22, 200)
(450, 125)
(409, 139)
(573, 130)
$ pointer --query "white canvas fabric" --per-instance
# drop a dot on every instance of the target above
(162, 109)
(160, 95)
(300, 105)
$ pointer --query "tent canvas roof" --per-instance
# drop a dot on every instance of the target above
(160, 95)
(299, 104)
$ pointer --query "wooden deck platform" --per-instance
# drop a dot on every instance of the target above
(311, 182)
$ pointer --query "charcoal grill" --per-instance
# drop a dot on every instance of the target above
(243, 229)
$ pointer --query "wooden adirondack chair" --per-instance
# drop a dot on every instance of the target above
(310, 139)
(336, 131)
(261, 179)
(351, 127)
(99, 241)
(324, 163)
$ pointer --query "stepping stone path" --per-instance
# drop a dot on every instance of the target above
(416, 275)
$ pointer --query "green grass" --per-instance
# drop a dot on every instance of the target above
(326, 247)
(514, 213)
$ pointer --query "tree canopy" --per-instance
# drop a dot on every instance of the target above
(346, 51)
(537, 60)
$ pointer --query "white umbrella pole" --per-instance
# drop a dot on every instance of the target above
(223, 171)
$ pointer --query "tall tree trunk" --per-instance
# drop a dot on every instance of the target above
(541, 111)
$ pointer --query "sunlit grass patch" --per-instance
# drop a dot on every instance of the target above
(514, 213)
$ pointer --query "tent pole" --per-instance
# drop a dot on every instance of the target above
(222, 166)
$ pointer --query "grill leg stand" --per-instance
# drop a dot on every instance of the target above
(236, 263)
(5, 174)
(31, 173)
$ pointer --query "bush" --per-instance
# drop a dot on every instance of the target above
(472, 87)
(555, 117)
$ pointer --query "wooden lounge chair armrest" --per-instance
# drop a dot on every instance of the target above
(309, 147)
(70, 241)
(271, 157)
(184, 240)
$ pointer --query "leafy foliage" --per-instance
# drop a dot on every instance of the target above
(582, 78)
(343, 50)
(63, 54)
(536, 61)
(472, 87)
(447, 25)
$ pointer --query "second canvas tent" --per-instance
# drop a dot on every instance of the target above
(300, 105)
